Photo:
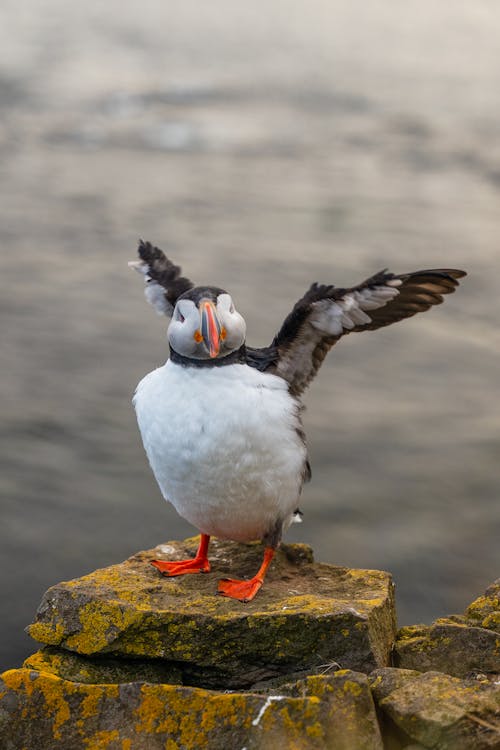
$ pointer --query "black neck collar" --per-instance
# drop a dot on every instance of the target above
(237, 357)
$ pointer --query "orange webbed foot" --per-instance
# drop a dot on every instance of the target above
(242, 590)
(181, 567)
(246, 590)
(199, 564)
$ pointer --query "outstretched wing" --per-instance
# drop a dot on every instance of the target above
(325, 313)
(164, 283)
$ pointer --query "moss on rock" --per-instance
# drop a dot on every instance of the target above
(76, 668)
(131, 657)
(485, 611)
(386, 680)
(42, 710)
(348, 708)
(306, 614)
(460, 645)
(438, 710)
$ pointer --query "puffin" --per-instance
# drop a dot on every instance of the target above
(221, 421)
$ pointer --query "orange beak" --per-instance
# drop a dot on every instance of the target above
(210, 327)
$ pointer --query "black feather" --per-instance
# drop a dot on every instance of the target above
(164, 272)
(418, 292)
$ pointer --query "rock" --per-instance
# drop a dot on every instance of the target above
(383, 682)
(440, 711)
(76, 668)
(460, 645)
(448, 647)
(40, 710)
(306, 615)
(352, 721)
(485, 611)
(132, 659)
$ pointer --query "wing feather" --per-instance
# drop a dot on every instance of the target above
(326, 313)
(164, 283)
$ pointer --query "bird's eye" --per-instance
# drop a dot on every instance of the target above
(231, 309)
(180, 316)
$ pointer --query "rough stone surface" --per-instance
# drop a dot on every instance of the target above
(352, 721)
(102, 669)
(485, 611)
(450, 647)
(99, 669)
(440, 711)
(307, 614)
(460, 645)
(133, 659)
(39, 710)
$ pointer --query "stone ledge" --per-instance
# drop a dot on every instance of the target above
(39, 710)
(460, 645)
(439, 711)
(135, 657)
(307, 614)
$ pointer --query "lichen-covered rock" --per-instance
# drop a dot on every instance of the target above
(351, 721)
(76, 668)
(485, 611)
(39, 710)
(305, 615)
(446, 646)
(460, 645)
(440, 711)
(104, 668)
(386, 680)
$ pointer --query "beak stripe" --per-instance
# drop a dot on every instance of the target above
(210, 328)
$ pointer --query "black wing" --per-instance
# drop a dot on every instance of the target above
(164, 283)
(325, 313)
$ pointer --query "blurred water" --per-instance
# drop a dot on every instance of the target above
(263, 148)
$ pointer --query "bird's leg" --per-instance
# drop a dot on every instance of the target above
(199, 564)
(246, 590)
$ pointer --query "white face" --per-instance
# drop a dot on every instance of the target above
(208, 331)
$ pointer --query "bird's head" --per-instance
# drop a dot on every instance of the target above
(205, 324)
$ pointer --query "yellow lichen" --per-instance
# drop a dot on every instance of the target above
(44, 632)
(102, 740)
(90, 704)
(186, 717)
(55, 692)
(485, 608)
(24, 680)
(354, 688)
(370, 603)
(193, 715)
(56, 704)
(97, 618)
(492, 621)
(17, 680)
(40, 662)
(150, 709)
(291, 720)
(315, 730)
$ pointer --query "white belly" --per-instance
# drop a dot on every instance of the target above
(223, 446)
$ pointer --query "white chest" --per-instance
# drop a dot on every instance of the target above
(223, 445)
